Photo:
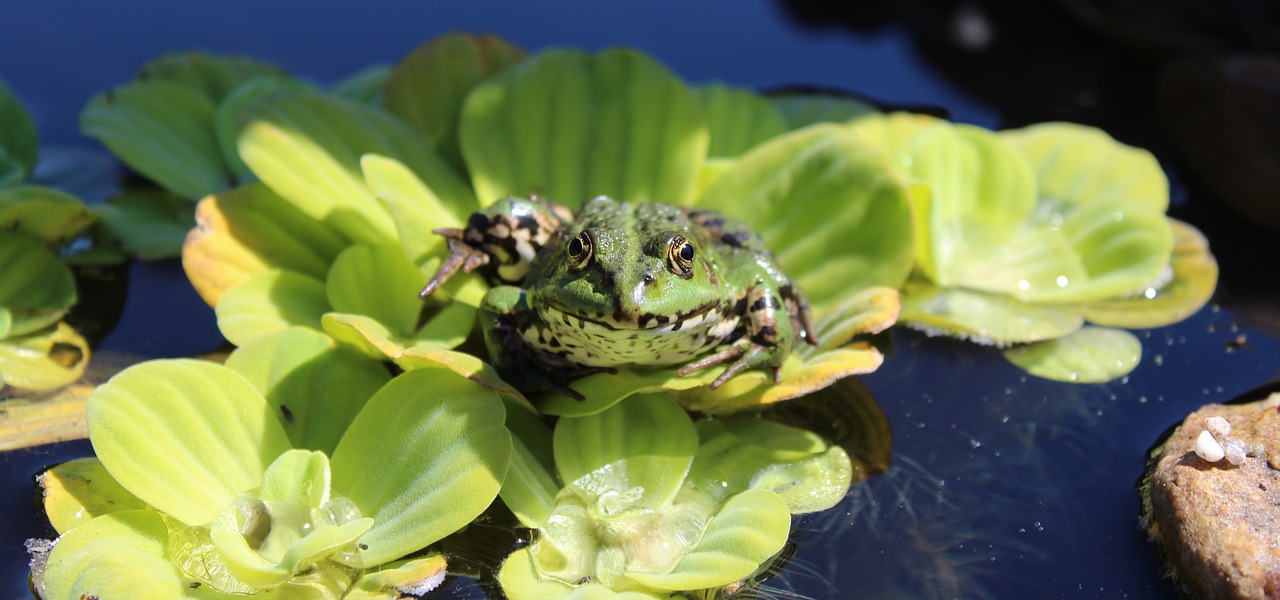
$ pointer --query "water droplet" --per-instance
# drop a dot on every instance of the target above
(1142, 399)
(1158, 359)
(1024, 285)
(975, 444)
(1117, 216)
(1150, 293)
(906, 162)
(1062, 281)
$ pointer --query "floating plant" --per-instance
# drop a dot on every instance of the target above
(37, 350)
(689, 507)
(336, 233)
(1024, 236)
(206, 484)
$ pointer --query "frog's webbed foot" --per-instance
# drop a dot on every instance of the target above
(741, 355)
(461, 256)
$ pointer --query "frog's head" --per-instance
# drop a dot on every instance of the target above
(628, 270)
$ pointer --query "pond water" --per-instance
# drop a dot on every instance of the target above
(1002, 485)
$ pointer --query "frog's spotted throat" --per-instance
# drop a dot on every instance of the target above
(623, 283)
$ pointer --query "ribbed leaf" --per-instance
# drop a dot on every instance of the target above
(1090, 355)
(984, 318)
(164, 131)
(1194, 277)
(425, 456)
(428, 86)
(315, 386)
(268, 302)
(416, 210)
(379, 282)
(36, 289)
(571, 126)
(150, 223)
(307, 148)
(18, 143)
(828, 207)
(46, 213)
(118, 552)
(249, 230)
(737, 119)
(802, 108)
(185, 436)
(601, 454)
(212, 75)
(77, 491)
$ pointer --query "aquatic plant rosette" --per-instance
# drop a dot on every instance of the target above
(336, 234)
(38, 351)
(692, 507)
(1044, 241)
(207, 484)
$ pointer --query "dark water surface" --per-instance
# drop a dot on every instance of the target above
(1003, 485)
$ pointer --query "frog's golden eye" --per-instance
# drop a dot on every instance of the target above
(680, 257)
(580, 250)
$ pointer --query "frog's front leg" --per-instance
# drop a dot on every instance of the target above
(766, 342)
(508, 323)
(505, 237)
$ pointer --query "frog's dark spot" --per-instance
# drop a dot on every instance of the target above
(662, 319)
(735, 239)
(766, 335)
(553, 342)
(477, 221)
(677, 326)
(764, 302)
(527, 222)
(644, 319)
(740, 306)
(288, 414)
(648, 279)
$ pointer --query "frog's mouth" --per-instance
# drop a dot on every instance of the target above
(706, 313)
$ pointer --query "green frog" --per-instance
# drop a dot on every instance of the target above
(624, 283)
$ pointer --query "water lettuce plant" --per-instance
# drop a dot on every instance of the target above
(1023, 236)
(208, 485)
(336, 233)
(686, 508)
(37, 350)
(175, 124)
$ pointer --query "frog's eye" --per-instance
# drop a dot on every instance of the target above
(680, 257)
(580, 250)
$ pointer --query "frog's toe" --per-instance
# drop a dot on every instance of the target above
(461, 256)
(739, 356)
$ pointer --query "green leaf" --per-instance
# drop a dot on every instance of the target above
(226, 120)
(297, 474)
(530, 487)
(599, 455)
(984, 318)
(603, 390)
(801, 109)
(19, 145)
(428, 86)
(416, 210)
(268, 302)
(1090, 355)
(982, 190)
(364, 86)
(43, 360)
(571, 126)
(1075, 163)
(746, 452)
(750, 528)
(164, 131)
(1194, 277)
(46, 213)
(827, 205)
(185, 436)
(737, 119)
(118, 552)
(37, 288)
(212, 75)
(149, 223)
(307, 148)
(413, 578)
(248, 231)
(425, 456)
(379, 282)
(77, 491)
(315, 386)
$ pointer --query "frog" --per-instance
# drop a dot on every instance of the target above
(623, 284)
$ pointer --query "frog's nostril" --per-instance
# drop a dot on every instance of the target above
(648, 279)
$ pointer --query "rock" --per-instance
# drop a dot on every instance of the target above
(1217, 524)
